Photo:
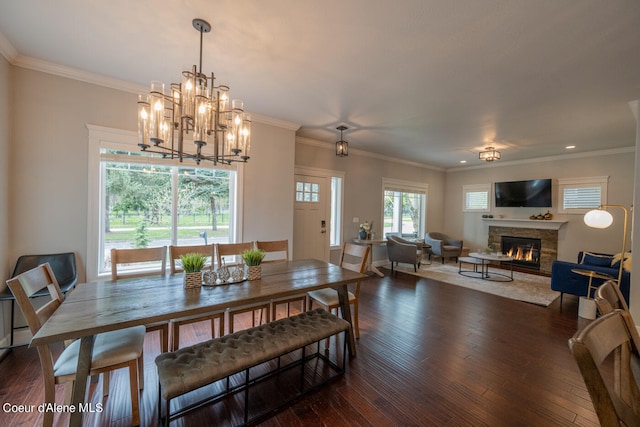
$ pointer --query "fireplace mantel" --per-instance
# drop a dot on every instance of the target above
(525, 223)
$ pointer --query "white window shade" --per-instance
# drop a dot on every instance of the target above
(476, 198)
(580, 195)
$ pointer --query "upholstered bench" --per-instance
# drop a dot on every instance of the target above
(199, 365)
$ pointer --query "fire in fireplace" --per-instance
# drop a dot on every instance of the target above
(525, 251)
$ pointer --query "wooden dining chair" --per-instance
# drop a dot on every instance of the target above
(140, 262)
(613, 387)
(278, 251)
(608, 298)
(353, 257)
(111, 350)
(232, 252)
(175, 252)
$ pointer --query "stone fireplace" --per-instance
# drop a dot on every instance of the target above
(524, 250)
(545, 231)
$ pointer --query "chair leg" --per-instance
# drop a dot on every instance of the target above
(68, 392)
(135, 396)
(50, 398)
(175, 336)
(326, 341)
(106, 377)
(141, 371)
(221, 325)
(356, 325)
(164, 337)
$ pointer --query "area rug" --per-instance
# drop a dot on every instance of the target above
(525, 287)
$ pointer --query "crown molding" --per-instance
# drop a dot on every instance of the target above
(17, 60)
(284, 124)
(597, 153)
(7, 50)
(329, 146)
(77, 74)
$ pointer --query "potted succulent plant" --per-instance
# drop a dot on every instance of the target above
(192, 264)
(253, 258)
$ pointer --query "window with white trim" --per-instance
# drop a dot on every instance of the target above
(476, 198)
(138, 200)
(580, 195)
(404, 208)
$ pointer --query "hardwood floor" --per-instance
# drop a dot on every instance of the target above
(430, 354)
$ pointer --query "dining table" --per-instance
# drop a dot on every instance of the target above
(107, 305)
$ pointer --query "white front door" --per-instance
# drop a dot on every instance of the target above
(311, 225)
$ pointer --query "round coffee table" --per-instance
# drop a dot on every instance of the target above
(494, 257)
(475, 262)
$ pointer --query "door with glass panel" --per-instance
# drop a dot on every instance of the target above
(311, 225)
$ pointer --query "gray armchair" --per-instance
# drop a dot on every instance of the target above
(443, 246)
(401, 250)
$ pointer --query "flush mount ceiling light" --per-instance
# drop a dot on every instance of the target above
(195, 106)
(342, 146)
(490, 154)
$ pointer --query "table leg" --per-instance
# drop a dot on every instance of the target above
(371, 267)
(345, 309)
(82, 374)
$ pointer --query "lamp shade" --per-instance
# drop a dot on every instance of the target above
(598, 218)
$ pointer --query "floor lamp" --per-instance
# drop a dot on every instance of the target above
(600, 218)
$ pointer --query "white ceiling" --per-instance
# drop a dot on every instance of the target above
(431, 81)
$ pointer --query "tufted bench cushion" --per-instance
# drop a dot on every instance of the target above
(201, 364)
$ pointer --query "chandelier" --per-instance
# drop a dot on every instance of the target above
(342, 146)
(198, 107)
(489, 155)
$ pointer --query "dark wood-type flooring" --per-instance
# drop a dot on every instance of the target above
(430, 354)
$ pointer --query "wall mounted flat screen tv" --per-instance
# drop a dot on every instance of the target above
(535, 193)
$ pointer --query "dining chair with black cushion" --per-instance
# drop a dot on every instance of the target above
(609, 362)
(402, 250)
(111, 350)
(175, 252)
(140, 262)
(278, 251)
(352, 257)
(64, 268)
(443, 245)
(231, 253)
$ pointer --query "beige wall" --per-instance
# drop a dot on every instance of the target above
(363, 186)
(573, 236)
(49, 170)
(5, 135)
(50, 159)
(268, 184)
(49, 166)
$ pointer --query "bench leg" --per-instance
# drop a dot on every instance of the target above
(246, 396)
(302, 368)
